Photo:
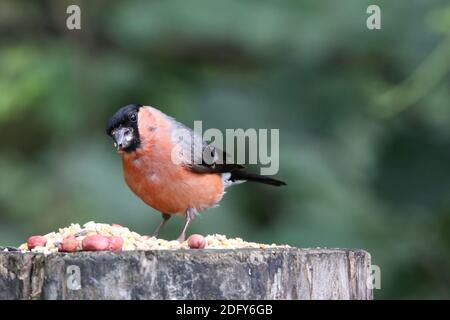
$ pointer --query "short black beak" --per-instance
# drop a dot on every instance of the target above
(123, 137)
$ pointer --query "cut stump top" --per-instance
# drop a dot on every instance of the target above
(276, 273)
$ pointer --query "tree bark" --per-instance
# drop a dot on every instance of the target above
(188, 274)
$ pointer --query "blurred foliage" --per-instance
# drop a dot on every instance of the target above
(364, 120)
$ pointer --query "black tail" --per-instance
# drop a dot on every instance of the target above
(237, 175)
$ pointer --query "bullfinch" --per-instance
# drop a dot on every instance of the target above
(161, 168)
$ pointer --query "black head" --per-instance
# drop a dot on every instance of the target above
(123, 128)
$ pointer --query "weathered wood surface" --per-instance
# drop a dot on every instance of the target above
(188, 274)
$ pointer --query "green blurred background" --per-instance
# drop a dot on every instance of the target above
(364, 119)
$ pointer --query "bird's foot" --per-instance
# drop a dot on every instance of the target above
(165, 217)
(190, 215)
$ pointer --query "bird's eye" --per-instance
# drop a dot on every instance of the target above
(132, 117)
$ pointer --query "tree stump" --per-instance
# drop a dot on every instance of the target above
(285, 273)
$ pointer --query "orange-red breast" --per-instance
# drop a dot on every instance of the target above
(145, 140)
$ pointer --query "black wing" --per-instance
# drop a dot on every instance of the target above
(210, 160)
(213, 160)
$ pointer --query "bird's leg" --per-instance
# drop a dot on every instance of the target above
(190, 215)
(165, 217)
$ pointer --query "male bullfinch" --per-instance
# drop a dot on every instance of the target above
(185, 184)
